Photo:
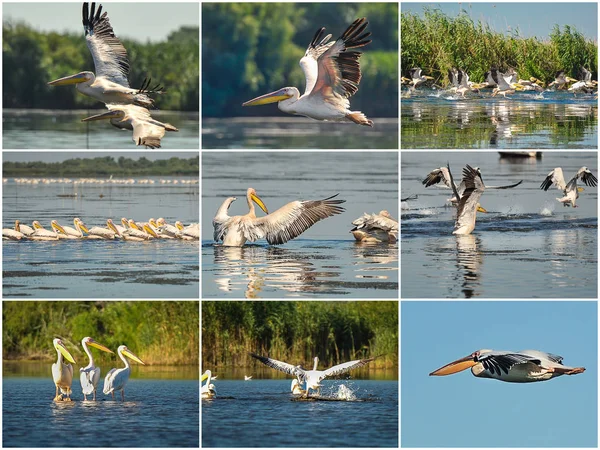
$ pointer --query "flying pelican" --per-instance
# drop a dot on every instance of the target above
(62, 373)
(90, 374)
(41, 234)
(585, 85)
(570, 189)
(468, 203)
(208, 390)
(110, 232)
(561, 81)
(286, 223)
(380, 227)
(460, 82)
(146, 130)
(116, 379)
(514, 367)
(110, 84)
(332, 76)
(312, 378)
(417, 77)
(504, 82)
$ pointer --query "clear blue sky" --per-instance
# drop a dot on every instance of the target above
(137, 21)
(532, 19)
(463, 411)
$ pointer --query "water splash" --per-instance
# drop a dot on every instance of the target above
(547, 209)
(345, 393)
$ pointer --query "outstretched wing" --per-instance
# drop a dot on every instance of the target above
(474, 188)
(498, 362)
(554, 178)
(346, 367)
(437, 176)
(316, 48)
(509, 186)
(277, 365)
(587, 177)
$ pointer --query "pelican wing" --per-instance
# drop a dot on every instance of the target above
(554, 178)
(452, 183)
(277, 365)
(587, 177)
(437, 176)
(309, 62)
(89, 379)
(146, 130)
(508, 186)
(346, 367)
(542, 355)
(498, 362)
(474, 188)
(295, 218)
(109, 54)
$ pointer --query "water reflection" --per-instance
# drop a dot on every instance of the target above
(375, 257)
(469, 260)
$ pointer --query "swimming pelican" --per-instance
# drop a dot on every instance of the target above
(90, 374)
(116, 379)
(332, 76)
(110, 84)
(110, 232)
(74, 233)
(11, 234)
(146, 130)
(139, 232)
(62, 373)
(312, 378)
(208, 390)
(286, 223)
(570, 189)
(513, 367)
(247, 378)
(41, 234)
(189, 233)
(380, 227)
(166, 229)
(25, 229)
(561, 81)
(468, 203)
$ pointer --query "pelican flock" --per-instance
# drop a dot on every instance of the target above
(128, 107)
(570, 190)
(514, 367)
(332, 73)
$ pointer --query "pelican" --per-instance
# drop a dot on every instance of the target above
(585, 85)
(208, 390)
(41, 234)
(139, 233)
(25, 229)
(90, 374)
(380, 227)
(504, 82)
(116, 379)
(312, 378)
(109, 84)
(468, 203)
(110, 232)
(514, 367)
(189, 233)
(332, 75)
(286, 223)
(11, 234)
(561, 81)
(570, 189)
(62, 373)
(146, 130)
(74, 233)
(417, 77)
(166, 229)
(247, 378)
(460, 81)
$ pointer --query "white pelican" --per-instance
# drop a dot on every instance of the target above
(41, 234)
(332, 76)
(504, 83)
(561, 81)
(90, 374)
(116, 379)
(514, 367)
(286, 223)
(110, 84)
(585, 84)
(208, 390)
(25, 229)
(146, 130)
(74, 233)
(312, 378)
(460, 82)
(380, 227)
(468, 203)
(110, 232)
(570, 189)
(11, 234)
(417, 77)
(165, 229)
(190, 233)
(139, 233)
(62, 373)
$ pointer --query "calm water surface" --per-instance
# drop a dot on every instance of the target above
(528, 245)
(261, 413)
(324, 260)
(81, 268)
(558, 120)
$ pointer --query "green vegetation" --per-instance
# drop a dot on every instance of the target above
(437, 42)
(161, 333)
(104, 166)
(298, 331)
(31, 59)
(249, 49)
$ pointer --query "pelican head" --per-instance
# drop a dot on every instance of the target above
(273, 97)
(481, 208)
(111, 114)
(81, 77)
(112, 227)
(60, 347)
(37, 225)
(126, 352)
(148, 229)
(460, 364)
(79, 222)
(92, 343)
(57, 227)
(252, 195)
(316, 363)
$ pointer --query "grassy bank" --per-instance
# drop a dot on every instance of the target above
(437, 42)
(298, 331)
(164, 333)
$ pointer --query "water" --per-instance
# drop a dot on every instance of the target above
(324, 261)
(158, 412)
(261, 413)
(525, 120)
(100, 269)
(63, 129)
(528, 246)
(297, 132)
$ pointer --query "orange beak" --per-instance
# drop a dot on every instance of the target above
(456, 366)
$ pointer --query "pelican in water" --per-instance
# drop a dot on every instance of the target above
(380, 227)
(25, 229)
(570, 190)
(110, 232)
(110, 83)
(116, 379)
(585, 84)
(417, 77)
(286, 223)
(189, 233)
(332, 73)
(460, 82)
(514, 367)
(139, 233)
(247, 378)
(312, 378)
(468, 202)
(208, 390)
(41, 234)
(504, 83)
(561, 81)
(13, 234)
(62, 373)
(72, 233)
(90, 374)
(165, 229)
(146, 130)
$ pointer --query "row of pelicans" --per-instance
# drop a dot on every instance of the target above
(504, 83)
(469, 191)
(129, 230)
(291, 220)
(98, 181)
(115, 380)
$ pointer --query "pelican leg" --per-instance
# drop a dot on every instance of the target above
(84, 398)
(113, 395)
(94, 394)
(568, 371)
(57, 397)
(123, 394)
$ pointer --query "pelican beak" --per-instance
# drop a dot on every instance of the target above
(204, 377)
(454, 367)
(273, 97)
(73, 79)
(571, 79)
(58, 228)
(131, 355)
(427, 77)
(481, 209)
(99, 346)
(104, 115)
(112, 227)
(580, 189)
(259, 202)
(150, 231)
(83, 227)
(61, 348)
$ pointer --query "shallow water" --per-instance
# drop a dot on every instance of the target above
(261, 413)
(527, 246)
(558, 120)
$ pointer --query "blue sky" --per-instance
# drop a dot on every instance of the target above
(532, 19)
(463, 411)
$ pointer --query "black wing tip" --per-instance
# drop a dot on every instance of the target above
(317, 37)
